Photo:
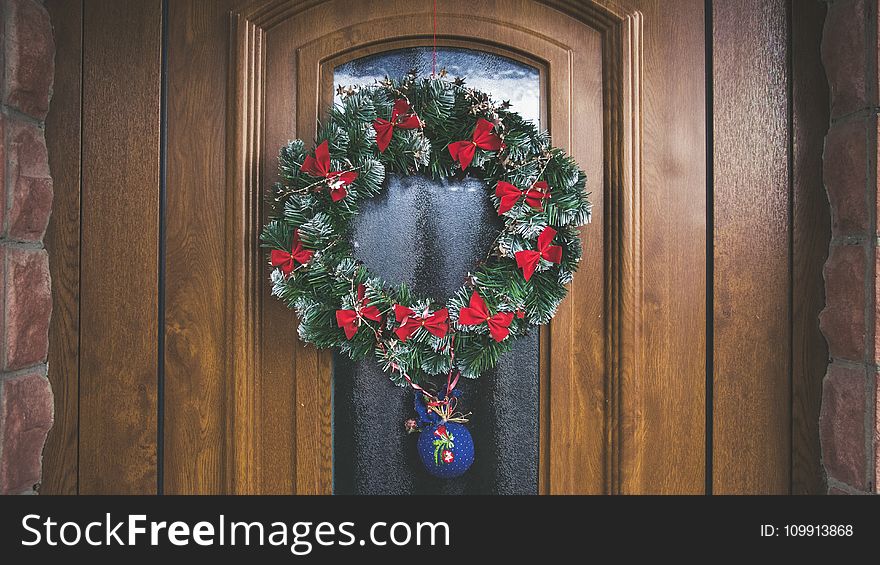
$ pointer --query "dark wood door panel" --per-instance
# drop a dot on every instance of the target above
(752, 263)
(119, 286)
(811, 225)
(63, 243)
(195, 289)
(771, 238)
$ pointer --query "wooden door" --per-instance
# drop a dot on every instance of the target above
(596, 432)
(209, 391)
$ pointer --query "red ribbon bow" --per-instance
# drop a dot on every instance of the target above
(319, 166)
(437, 323)
(510, 195)
(350, 320)
(527, 260)
(477, 313)
(463, 151)
(287, 260)
(400, 118)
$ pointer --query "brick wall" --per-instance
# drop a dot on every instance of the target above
(25, 395)
(848, 423)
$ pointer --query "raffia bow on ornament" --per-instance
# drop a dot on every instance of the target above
(437, 409)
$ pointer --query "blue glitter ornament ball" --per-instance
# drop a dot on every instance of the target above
(446, 449)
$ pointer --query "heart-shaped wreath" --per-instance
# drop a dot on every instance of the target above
(440, 128)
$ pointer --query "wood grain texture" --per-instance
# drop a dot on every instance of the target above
(63, 141)
(120, 223)
(196, 376)
(752, 403)
(811, 224)
(243, 325)
(662, 403)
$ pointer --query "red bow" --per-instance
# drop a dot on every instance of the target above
(477, 313)
(463, 151)
(319, 166)
(287, 260)
(400, 118)
(350, 320)
(510, 195)
(527, 260)
(437, 323)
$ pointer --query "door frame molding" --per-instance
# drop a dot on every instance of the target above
(622, 60)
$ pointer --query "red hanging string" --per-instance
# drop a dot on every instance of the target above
(434, 51)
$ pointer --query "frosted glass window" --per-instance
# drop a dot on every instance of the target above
(503, 78)
(430, 234)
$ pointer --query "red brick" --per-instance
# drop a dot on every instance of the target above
(845, 173)
(3, 304)
(877, 433)
(842, 425)
(28, 307)
(843, 319)
(31, 183)
(876, 317)
(844, 55)
(2, 173)
(26, 409)
(31, 206)
(30, 57)
(28, 151)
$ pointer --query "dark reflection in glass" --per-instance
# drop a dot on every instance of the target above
(430, 234)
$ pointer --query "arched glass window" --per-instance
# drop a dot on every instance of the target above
(430, 234)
